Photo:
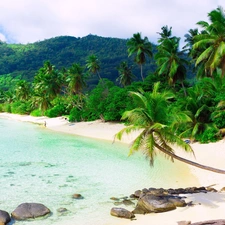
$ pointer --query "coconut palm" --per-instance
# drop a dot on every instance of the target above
(48, 81)
(141, 48)
(125, 74)
(75, 79)
(170, 60)
(22, 90)
(93, 65)
(151, 118)
(211, 42)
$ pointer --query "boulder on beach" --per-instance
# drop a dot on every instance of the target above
(4, 217)
(121, 212)
(30, 210)
(149, 203)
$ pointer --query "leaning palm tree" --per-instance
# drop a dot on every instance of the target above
(142, 49)
(151, 118)
(211, 43)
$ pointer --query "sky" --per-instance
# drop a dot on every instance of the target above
(28, 21)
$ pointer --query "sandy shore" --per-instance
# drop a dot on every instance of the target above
(208, 206)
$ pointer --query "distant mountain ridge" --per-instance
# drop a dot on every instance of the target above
(63, 51)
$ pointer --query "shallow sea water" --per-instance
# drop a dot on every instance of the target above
(39, 165)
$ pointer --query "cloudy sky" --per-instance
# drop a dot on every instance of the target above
(27, 21)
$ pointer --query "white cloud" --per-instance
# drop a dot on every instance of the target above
(32, 20)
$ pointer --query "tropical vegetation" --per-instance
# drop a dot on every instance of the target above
(178, 95)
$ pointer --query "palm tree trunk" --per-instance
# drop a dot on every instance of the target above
(141, 73)
(99, 75)
(182, 84)
(190, 162)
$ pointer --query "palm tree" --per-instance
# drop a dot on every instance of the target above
(142, 49)
(76, 80)
(195, 106)
(170, 60)
(211, 42)
(22, 90)
(93, 65)
(48, 81)
(125, 74)
(151, 118)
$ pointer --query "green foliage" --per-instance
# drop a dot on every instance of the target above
(56, 111)
(75, 115)
(209, 135)
(19, 107)
(36, 113)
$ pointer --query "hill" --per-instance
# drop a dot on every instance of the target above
(63, 51)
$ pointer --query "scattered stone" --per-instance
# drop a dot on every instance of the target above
(4, 217)
(210, 189)
(30, 210)
(62, 211)
(121, 212)
(77, 196)
(222, 189)
(127, 202)
(114, 199)
(184, 222)
(117, 203)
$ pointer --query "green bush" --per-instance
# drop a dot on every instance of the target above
(75, 115)
(209, 135)
(36, 112)
(57, 110)
(19, 107)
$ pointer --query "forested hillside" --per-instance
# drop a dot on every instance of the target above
(25, 60)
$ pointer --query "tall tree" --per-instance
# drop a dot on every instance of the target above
(93, 65)
(23, 90)
(46, 85)
(211, 42)
(141, 48)
(125, 74)
(170, 59)
(151, 118)
(76, 80)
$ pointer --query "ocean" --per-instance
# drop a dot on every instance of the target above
(42, 166)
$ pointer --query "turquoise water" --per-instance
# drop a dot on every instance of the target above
(39, 165)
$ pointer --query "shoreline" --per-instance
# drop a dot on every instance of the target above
(211, 205)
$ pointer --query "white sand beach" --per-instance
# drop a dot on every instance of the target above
(207, 206)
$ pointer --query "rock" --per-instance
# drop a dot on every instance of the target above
(4, 217)
(121, 212)
(210, 222)
(77, 196)
(62, 211)
(210, 189)
(184, 222)
(177, 201)
(137, 193)
(222, 189)
(114, 199)
(30, 210)
(127, 202)
(151, 203)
